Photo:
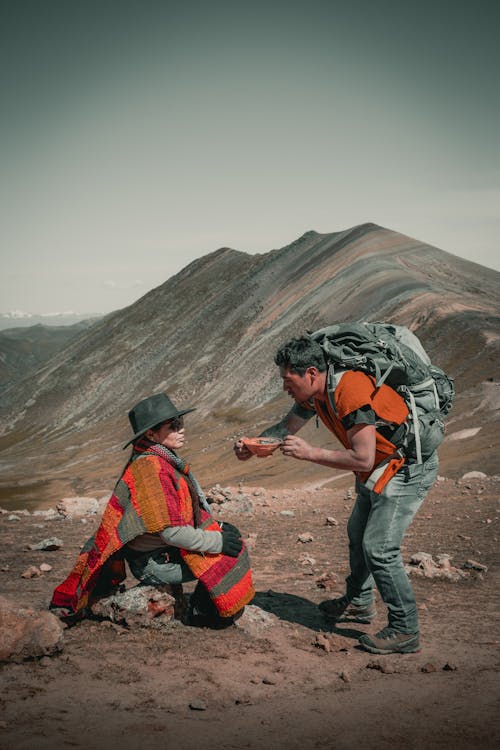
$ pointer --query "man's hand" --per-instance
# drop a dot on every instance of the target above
(296, 447)
(241, 451)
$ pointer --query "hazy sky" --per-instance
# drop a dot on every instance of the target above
(136, 136)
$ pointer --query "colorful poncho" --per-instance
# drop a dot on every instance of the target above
(151, 495)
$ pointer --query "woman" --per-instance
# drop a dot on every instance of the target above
(159, 521)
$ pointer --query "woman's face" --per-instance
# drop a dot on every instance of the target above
(170, 434)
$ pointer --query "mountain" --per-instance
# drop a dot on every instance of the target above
(21, 319)
(207, 336)
(23, 349)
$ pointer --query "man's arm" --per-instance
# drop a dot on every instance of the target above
(359, 457)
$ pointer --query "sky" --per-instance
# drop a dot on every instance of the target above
(136, 136)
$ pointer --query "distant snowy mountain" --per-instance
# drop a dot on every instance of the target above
(21, 319)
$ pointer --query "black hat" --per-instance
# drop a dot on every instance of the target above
(151, 411)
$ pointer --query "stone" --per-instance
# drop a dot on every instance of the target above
(139, 606)
(345, 676)
(287, 513)
(327, 581)
(450, 667)
(13, 517)
(428, 667)
(474, 475)
(305, 538)
(50, 514)
(307, 560)
(474, 565)
(47, 545)
(26, 633)
(76, 507)
(31, 572)
(322, 642)
(45, 567)
(198, 705)
(331, 521)
(254, 620)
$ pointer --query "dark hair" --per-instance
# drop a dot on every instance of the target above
(299, 354)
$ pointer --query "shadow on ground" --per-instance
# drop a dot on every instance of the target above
(299, 611)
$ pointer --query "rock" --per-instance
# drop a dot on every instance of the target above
(268, 681)
(198, 705)
(75, 507)
(450, 667)
(474, 565)
(382, 666)
(345, 676)
(474, 475)
(306, 560)
(305, 538)
(287, 513)
(45, 567)
(428, 667)
(31, 572)
(327, 581)
(331, 521)
(422, 564)
(139, 606)
(47, 545)
(26, 633)
(50, 514)
(13, 517)
(322, 642)
(254, 620)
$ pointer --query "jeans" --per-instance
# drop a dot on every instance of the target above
(376, 529)
(156, 568)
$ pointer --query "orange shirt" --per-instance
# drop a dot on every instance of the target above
(356, 390)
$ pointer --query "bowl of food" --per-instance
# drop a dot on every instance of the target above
(261, 446)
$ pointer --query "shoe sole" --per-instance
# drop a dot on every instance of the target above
(409, 648)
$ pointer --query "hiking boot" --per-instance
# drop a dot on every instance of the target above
(341, 610)
(389, 641)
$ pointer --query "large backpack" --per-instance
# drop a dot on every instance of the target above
(393, 355)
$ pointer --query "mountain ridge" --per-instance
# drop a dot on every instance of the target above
(208, 334)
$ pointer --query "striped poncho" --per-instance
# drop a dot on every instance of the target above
(151, 495)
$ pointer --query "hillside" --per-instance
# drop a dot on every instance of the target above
(207, 336)
(23, 350)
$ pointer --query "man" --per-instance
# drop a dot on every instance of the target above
(389, 488)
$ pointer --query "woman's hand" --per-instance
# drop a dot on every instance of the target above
(298, 448)
(241, 451)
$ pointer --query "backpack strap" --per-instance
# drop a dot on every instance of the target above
(416, 426)
(332, 380)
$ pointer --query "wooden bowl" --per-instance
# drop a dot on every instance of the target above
(261, 446)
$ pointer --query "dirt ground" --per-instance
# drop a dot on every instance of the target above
(275, 685)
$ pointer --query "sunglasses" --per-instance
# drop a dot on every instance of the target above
(176, 424)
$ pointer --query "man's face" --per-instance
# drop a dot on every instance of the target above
(301, 387)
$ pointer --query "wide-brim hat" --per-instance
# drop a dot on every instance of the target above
(151, 411)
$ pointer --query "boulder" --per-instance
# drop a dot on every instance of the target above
(26, 633)
(139, 606)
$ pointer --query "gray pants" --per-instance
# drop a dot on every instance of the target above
(159, 567)
(376, 529)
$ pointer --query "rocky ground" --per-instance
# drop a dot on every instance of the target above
(280, 677)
